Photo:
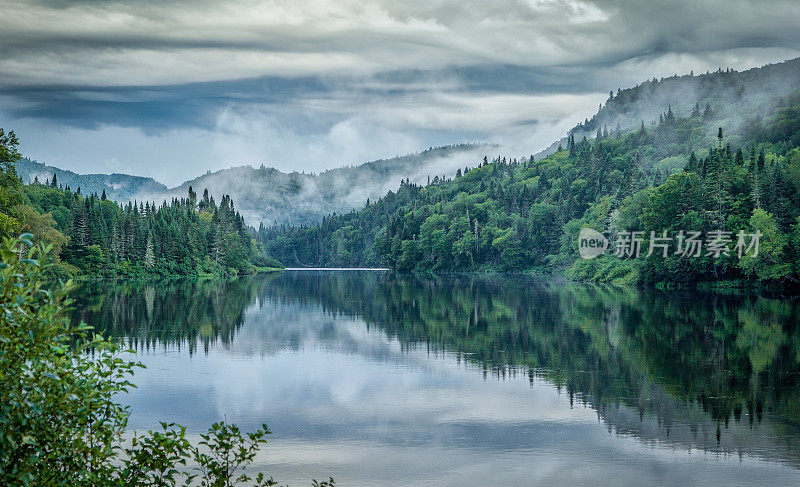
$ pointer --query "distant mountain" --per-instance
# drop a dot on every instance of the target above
(735, 100)
(269, 196)
(118, 187)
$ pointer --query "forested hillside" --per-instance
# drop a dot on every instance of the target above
(732, 99)
(117, 187)
(677, 174)
(266, 195)
(96, 237)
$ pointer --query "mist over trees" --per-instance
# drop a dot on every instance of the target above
(526, 214)
(118, 187)
(269, 196)
(733, 99)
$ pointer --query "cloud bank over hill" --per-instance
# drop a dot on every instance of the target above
(264, 195)
(173, 89)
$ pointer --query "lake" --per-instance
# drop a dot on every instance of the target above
(379, 379)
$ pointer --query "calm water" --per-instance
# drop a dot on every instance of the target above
(382, 380)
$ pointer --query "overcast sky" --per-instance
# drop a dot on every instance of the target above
(173, 89)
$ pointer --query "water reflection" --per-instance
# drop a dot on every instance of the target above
(427, 379)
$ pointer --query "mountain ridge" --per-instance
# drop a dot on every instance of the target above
(266, 195)
(728, 93)
(118, 186)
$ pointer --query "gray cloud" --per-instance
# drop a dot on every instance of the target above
(171, 89)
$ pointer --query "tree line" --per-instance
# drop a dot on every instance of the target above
(94, 236)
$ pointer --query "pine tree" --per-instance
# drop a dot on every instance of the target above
(708, 113)
(149, 255)
(670, 116)
(192, 198)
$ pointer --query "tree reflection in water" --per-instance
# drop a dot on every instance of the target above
(695, 369)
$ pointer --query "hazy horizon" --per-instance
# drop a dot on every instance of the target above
(173, 90)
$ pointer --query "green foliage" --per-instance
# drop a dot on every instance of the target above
(60, 421)
(229, 453)
(770, 263)
(156, 458)
(10, 186)
(221, 457)
(173, 239)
